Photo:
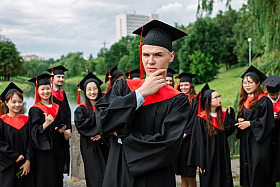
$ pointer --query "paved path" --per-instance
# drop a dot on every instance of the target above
(74, 182)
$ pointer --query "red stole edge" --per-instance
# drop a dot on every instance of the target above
(162, 94)
(276, 106)
(85, 105)
(248, 101)
(48, 110)
(58, 95)
(214, 119)
(16, 122)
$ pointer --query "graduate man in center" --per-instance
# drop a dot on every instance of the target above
(59, 97)
(147, 117)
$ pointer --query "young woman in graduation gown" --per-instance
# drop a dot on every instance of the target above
(15, 148)
(187, 173)
(255, 122)
(47, 135)
(209, 149)
(94, 150)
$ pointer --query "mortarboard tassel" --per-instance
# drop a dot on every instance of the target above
(199, 103)
(0, 106)
(129, 75)
(110, 81)
(177, 84)
(266, 92)
(141, 63)
(36, 92)
(79, 95)
(52, 77)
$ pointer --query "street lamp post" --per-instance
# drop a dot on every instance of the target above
(249, 40)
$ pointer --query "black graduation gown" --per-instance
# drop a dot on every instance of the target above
(275, 145)
(13, 143)
(151, 137)
(94, 153)
(181, 163)
(65, 119)
(255, 169)
(212, 153)
(48, 146)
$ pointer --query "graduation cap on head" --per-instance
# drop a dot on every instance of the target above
(112, 74)
(204, 93)
(254, 72)
(58, 70)
(42, 79)
(170, 72)
(159, 34)
(186, 77)
(11, 88)
(272, 84)
(132, 74)
(90, 77)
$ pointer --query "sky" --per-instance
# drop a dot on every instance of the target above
(52, 28)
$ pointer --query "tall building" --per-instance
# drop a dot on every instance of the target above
(127, 23)
(31, 57)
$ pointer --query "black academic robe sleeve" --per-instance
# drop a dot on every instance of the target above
(39, 138)
(85, 126)
(146, 152)
(115, 110)
(229, 122)
(192, 115)
(7, 154)
(68, 111)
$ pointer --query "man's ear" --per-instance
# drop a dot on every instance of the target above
(172, 55)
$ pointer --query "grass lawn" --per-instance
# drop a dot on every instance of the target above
(20, 81)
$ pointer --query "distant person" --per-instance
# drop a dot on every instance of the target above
(112, 76)
(134, 74)
(94, 150)
(169, 77)
(46, 135)
(255, 124)
(209, 149)
(273, 90)
(188, 174)
(60, 98)
(16, 153)
(146, 117)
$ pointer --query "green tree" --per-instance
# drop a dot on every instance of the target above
(10, 61)
(202, 66)
(116, 52)
(100, 68)
(35, 67)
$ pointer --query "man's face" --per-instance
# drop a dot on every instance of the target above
(274, 96)
(58, 80)
(155, 58)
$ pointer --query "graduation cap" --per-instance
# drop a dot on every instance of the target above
(42, 79)
(112, 74)
(272, 84)
(204, 93)
(159, 34)
(170, 72)
(132, 74)
(90, 77)
(58, 70)
(254, 72)
(186, 77)
(11, 88)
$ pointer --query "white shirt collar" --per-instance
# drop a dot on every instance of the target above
(213, 114)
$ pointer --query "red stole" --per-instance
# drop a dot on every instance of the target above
(84, 104)
(162, 94)
(249, 99)
(192, 98)
(276, 106)
(58, 95)
(214, 119)
(48, 110)
(16, 122)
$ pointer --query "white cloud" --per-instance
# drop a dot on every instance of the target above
(191, 7)
(171, 7)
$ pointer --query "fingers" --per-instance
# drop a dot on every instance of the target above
(157, 72)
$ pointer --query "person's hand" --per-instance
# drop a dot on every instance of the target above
(199, 169)
(25, 167)
(20, 158)
(228, 109)
(114, 133)
(185, 135)
(243, 125)
(48, 119)
(60, 130)
(95, 138)
(153, 83)
(67, 134)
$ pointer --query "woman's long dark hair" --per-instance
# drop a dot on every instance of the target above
(243, 96)
(88, 103)
(211, 130)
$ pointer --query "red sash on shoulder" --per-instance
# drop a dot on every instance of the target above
(192, 98)
(162, 94)
(48, 110)
(58, 95)
(249, 99)
(276, 107)
(85, 105)
(16, 122)
(214, 119)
